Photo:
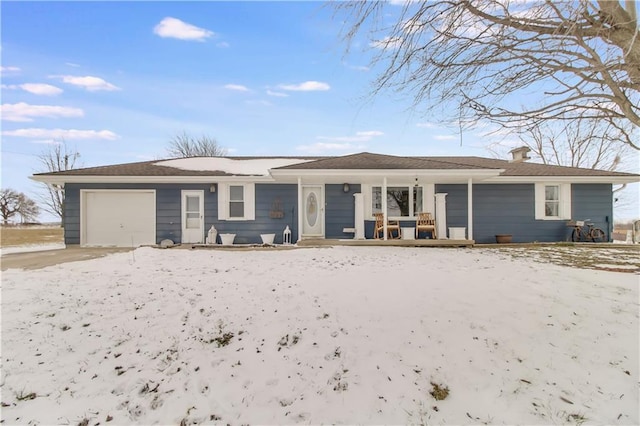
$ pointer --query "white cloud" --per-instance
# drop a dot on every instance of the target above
(322, 147)
(67, 134)
(23, 112)
(236, 87)
(9, 69)
(223, 45)
(387, 43)
(41, 89)
(358, 137)
(71, 64)
(307, 86)
(175, 28)
(277, 94)
(427, 125)
(90, 83)
(357, 67)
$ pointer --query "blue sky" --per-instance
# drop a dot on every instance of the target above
(117, 80)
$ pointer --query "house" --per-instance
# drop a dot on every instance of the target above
(329, 197)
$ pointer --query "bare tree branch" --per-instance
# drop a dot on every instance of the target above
(57, 158)
(516, 64)
(185, 145)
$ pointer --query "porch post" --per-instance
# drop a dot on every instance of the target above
(384, 205)
(470, 209)
(300, 206)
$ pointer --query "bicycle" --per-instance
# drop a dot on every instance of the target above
(584, 231)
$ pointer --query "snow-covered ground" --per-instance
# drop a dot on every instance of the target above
(331, 335)
(31, 248)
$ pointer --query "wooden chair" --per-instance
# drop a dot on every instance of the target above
(425, 222)
(392, 225)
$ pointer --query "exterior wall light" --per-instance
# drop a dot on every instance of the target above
(345, 187)
(212, 188)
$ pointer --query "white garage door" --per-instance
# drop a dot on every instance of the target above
(119, 218)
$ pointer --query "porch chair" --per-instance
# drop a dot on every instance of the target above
(425, 222)
(392, 225)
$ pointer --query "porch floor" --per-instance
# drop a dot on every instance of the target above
(311, 242)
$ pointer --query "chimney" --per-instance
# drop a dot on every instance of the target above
(519, 155)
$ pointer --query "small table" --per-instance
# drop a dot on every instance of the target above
(409, 233)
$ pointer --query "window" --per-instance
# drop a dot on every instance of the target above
(552, 201)
(402, 201)
(236, 201)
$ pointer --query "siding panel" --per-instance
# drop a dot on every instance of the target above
(340, 210)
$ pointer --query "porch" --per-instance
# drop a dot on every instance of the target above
(321, 242)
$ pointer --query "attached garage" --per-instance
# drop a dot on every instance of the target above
(120, 218)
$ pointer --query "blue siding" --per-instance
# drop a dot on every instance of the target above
(267, 197)
(169, 211)
(340, 210)
(510, 209)
(594, 202)
(497, 209)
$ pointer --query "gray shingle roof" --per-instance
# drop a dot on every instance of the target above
(361, 161)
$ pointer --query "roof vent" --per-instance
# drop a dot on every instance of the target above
(519, 155)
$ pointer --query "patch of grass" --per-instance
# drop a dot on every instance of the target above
(19, 236)
(439, 392)
(25, 396)
(224, 339)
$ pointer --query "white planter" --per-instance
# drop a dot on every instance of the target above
(227, 239)
(408, 233)
(457, 233)
(267, 238)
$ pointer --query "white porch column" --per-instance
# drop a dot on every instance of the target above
(359, 216)
(384, 205)
(300, 213)
(441, 215)
(470, 209)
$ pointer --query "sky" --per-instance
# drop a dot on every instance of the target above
(118, 80)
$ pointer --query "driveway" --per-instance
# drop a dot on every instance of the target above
(41, 259)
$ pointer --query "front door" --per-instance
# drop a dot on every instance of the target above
(313, 208)
(193, 217)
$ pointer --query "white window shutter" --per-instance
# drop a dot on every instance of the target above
(223, 201)
(366, 197)
(539, 201)
(250, 201)
(565, 201)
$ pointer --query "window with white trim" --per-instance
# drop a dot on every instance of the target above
(236, 201)
(552, 201)
(402, 201)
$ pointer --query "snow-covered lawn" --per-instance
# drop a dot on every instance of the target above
(332, 335)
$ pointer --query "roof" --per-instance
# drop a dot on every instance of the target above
(178, 167)
(371, 161)
(260, 166)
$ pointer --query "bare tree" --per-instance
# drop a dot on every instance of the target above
(592, 144)
(515, 63)
(185, 145)
(14, 203)
(57, 158)
(29, 210)
(9, 204)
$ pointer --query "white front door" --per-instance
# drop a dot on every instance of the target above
(192, 216)
(313, 211)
